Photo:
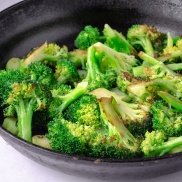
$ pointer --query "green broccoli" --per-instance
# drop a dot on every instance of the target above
(133, 115)
(84, 110)
(110, 138)
(39, 72)
(157, 144)
(117, 41)
(25, 97)
(66, 72)
(143, 35)
(166, 119)
(87, 37)
(172, 52)
(49, 53)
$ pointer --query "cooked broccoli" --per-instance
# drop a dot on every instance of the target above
(166, 119)
(78, 57)
(25, 97)
(133, 115)
(109, 139)
(39, 72)
(143, 35)
(84, 110)
(172, 52)
(12, 64)
(157, 144)
(66, 72)
(87, 37)
(63, 97)
(10, 124)
(117, 41)
(49, 53)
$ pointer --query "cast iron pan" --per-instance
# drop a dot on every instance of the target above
(30, 23)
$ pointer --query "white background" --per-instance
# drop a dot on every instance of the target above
(14, 167)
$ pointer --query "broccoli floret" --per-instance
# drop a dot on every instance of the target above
(143, 35)
(172, 52)
(110, 140)
(109, 58)
(49, 53)
(97, 78)
(87, 37)
(66, 72)
(78, 57)
(39, 72)
(166, 119)
(133, 115)
(157, 144)
(117, 41)
(25, 97)
(84, 110)
(64, 96)
(156, 68)
(67, 137)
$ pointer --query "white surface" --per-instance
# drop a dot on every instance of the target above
(14, 167)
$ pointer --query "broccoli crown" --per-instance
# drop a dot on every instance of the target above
(66, 72)
(49, 53)
(117, 41)
(166, 119)
(84, 110)
(87, 37)
(143, 35)
(39, 72)
(7, 78)
(25, 98)
(68, 137)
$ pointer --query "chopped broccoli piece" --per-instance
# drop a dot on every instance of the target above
(25, 97)
(143, 35)
(84, 110)
(156, 144)
(49, 53)
(66, 72)
(117, 41)
(166, 119)
(39, 72)
(87, 37)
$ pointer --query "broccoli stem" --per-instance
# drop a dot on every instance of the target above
(25, 113)
(78, 91)
(152, 61)
(167, 146)
(172, 55)
(171, 100)
(175, 66)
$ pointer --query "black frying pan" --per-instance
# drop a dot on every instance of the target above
(33, 22)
